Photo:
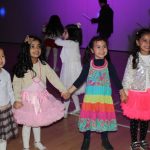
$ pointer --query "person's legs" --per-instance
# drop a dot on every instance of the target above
(55, 53)
(134, 132)
(26, 136)
(37, 138)
(143, 132)
(75, 99)
(86, 140)
(105, 141)
(3, 144)
(47, 52)
(66, 103)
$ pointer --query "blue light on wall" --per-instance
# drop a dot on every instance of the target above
(2, 11)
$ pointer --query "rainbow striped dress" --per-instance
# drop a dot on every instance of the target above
(97, 113)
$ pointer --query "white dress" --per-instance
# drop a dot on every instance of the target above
(71, 63)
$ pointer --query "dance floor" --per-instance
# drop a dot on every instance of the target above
(64, 134)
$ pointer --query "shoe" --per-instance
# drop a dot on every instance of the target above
(106, 145)
(85, 144)
(135, 146)
(144, 145)
(39, 146)
(74, 112)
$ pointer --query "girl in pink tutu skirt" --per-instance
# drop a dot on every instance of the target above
(136, 83)
(34, 106)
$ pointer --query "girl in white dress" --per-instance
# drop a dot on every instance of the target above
(71, 62)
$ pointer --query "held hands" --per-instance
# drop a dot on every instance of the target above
(123, 96)
(65, 95)
(17, 104)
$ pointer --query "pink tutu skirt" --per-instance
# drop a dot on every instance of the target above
(137, 105)
(36, 113)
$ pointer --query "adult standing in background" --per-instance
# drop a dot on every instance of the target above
(105, 20)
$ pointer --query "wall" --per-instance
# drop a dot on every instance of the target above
(27, 17)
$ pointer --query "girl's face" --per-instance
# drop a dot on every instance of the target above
(144, 44)
(99, 49)
(2, 58)
(35, 50)
(65, 34)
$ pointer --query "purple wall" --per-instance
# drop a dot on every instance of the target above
(27, 17)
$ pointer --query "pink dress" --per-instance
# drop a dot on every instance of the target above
(39, 107)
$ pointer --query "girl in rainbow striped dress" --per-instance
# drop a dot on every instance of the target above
(97, 113)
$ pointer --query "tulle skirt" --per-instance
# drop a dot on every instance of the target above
(137, 105)
(50, 111)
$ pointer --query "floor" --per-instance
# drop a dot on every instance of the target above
(64, 135)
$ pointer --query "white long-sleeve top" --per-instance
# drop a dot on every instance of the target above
(70, 51)
(137, 79)
(6, 92)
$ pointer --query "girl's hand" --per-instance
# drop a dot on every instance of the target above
(17, 104)
(65, 95)
(123, 96)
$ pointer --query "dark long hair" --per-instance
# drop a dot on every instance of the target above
(88, 54)
(136, 48)
(24, 59)
(54, 26)
(75, 33)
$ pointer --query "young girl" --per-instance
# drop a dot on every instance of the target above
(8, 127)
(71, 61)
(34, 106)
(136, 83)
(52, 30)
(97, 113)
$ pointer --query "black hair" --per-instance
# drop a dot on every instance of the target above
(54, 26)
(74, 32)
(103, 1)
(136, 48)
(88, 53)
(24, 59)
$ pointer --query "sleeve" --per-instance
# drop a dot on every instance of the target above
(128, 74)
(61, 42)
(10, 90)
(54, 79)
(114, 76)
(17, 87)
(83, 76)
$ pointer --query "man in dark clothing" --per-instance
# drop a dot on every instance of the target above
(105, 20)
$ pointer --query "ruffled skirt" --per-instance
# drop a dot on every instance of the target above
(138, 105)
(42, 113)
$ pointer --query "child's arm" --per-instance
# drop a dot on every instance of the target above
(128, 75)
(123, 95)
(81, 79)
(72, 89)
(54, 80)
(61, 42)
(10, 90)
(65, 95)
(17, 87)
